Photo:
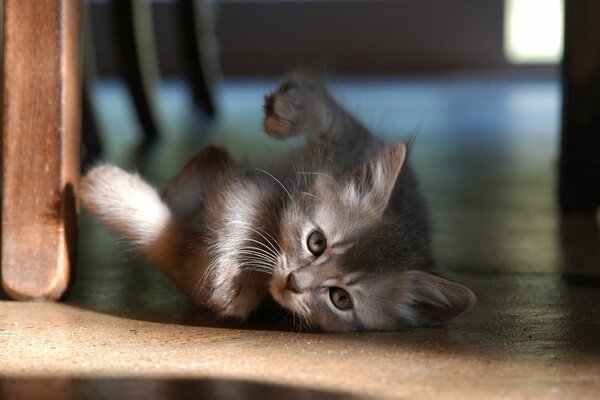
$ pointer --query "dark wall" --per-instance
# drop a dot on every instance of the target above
(362, 36)
(347, 36)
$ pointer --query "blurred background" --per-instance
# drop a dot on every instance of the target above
(160, 68)
(477, 81)
(261, 37)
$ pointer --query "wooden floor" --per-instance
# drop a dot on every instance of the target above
(486, 152)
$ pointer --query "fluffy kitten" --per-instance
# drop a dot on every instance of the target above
(337, 233)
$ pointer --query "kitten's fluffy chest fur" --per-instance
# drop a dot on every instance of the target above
(241, 232)
(336, 234)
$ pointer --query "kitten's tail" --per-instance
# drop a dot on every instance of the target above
(134, 209)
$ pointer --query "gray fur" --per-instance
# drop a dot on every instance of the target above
(242, 232)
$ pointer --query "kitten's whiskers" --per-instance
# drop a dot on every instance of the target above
(270, 250)
(313, 195)
(256, 267)
(279, 182)
(321, 174)
(258, 253)
(203, 280)
(268, 241)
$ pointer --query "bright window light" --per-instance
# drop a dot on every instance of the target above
(533, 31)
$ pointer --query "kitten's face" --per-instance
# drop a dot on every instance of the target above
(335, 269)
(318, 230)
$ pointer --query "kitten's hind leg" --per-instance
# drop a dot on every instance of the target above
(301, 105)
(134, 209)
(186, 190)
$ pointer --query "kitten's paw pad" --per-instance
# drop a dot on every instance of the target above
(290, 109)
(283, 109)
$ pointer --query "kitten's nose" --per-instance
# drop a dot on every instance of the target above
(292, 283)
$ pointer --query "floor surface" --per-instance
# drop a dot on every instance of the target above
(486, 153)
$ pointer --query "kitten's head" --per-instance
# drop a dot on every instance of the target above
(355, 251)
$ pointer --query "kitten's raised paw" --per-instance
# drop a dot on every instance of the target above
(282, 111)
(286, 109)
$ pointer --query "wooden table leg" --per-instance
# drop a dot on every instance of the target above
(580, 147)
(41, 142)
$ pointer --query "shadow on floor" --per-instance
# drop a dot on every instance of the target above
(155, 388)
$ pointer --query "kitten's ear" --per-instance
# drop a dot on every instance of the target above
(187, 189)
(377, 177)
(427, 299)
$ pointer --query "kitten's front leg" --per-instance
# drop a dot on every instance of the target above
(301, 105)
(240, 295)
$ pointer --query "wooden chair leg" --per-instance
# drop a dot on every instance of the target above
(140, 70)
(580, 148)
(91, 132)
(200, 56)
(92, 140)
(42, 145)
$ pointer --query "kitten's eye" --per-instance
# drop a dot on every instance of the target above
(316, 243)
(340, 298)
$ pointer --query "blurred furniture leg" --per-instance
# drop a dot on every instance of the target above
(201, 55)
(42, 145)
(140, 70)
(91, 131)
(92, 141)
(580, 146)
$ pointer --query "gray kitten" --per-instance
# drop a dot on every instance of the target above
(337, 233)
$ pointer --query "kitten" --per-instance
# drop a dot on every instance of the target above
(337, 233)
